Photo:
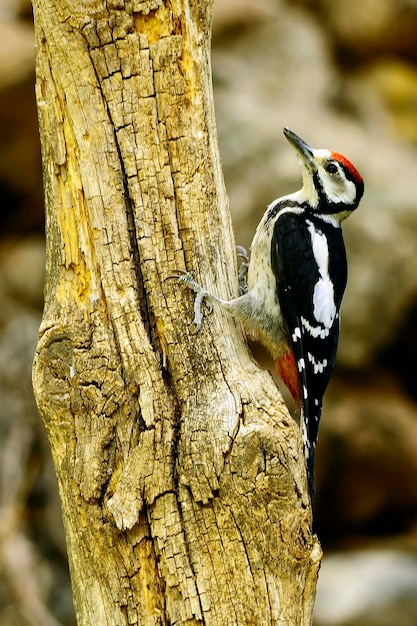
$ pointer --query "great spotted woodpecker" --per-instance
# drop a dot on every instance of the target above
(296, 279)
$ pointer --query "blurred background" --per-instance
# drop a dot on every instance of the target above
(343, 75)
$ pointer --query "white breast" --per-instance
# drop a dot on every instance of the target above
(261, 279)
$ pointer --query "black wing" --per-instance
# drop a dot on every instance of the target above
(298, 269)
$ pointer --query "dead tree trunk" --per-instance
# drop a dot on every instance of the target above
(180, 472)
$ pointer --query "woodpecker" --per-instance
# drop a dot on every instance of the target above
(296, 277)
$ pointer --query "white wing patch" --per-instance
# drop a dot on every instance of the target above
(324, 307)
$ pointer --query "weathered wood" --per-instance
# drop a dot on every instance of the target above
(180, 471)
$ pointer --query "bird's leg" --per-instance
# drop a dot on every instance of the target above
(243, 269)
(201, 295)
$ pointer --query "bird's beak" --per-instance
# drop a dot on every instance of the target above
(302, 148)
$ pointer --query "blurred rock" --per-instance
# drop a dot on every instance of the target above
(28, 491)
(369, 588)
(17, 45)
(237, 14)
(261, 78)
(20, 163)
(381, 243)
(363, 29)
(395, 82)
(366, 461)
(22, 265)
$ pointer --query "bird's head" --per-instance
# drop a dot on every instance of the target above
(332, 186)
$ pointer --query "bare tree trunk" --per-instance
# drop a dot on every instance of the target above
(180, 472)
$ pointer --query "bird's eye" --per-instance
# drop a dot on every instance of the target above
(331, 168)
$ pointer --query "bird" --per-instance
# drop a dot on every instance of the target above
(293, 283)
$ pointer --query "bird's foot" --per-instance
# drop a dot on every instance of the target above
(202, 294)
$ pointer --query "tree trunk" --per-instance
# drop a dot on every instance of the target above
(180, 471)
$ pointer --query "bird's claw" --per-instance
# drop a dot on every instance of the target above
(242, 253)
(186, 278)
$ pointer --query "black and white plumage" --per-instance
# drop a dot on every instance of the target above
(295, 280)
(309, 261)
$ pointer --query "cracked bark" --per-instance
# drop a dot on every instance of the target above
(180, 472)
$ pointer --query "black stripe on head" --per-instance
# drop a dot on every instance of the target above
(326, 207)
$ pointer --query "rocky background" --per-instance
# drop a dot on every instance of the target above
(343, 75)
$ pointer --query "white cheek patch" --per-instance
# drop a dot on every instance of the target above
(324, 306)
(338, 189)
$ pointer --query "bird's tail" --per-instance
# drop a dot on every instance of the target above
(286, 368)
(309, 424)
